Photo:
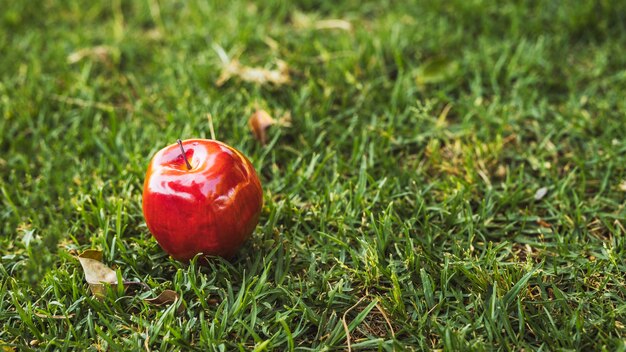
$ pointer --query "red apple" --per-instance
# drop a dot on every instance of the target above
(207, 201)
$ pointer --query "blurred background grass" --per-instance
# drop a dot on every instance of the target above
(454, 172)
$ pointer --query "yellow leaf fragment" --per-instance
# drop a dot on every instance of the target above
(303, 20)
(259, 75)
(6, 347)
(101, 53)
(56, 317)
(334, 24)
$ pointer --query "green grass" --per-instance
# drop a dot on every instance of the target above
(400, 204)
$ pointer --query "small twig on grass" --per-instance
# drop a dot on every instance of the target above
(382, 311)
(345, 325)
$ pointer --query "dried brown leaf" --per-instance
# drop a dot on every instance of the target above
(96, 273)
(543, 223)
(166, 297)
(258, 123)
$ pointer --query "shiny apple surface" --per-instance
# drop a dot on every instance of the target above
(211, 208)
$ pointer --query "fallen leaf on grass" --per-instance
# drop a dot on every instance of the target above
(259, 75)
(541, 192)
(101, 53)
(96, 273)
(261, 120)
(258, 123)
(166, 297)
(334, 24)
(543, 223)
(233, 68)
(302, 20)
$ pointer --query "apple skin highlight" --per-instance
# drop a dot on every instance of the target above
(211, 208)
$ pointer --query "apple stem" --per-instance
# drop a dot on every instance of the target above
(182, 150)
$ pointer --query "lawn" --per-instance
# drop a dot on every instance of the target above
(453, 175)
